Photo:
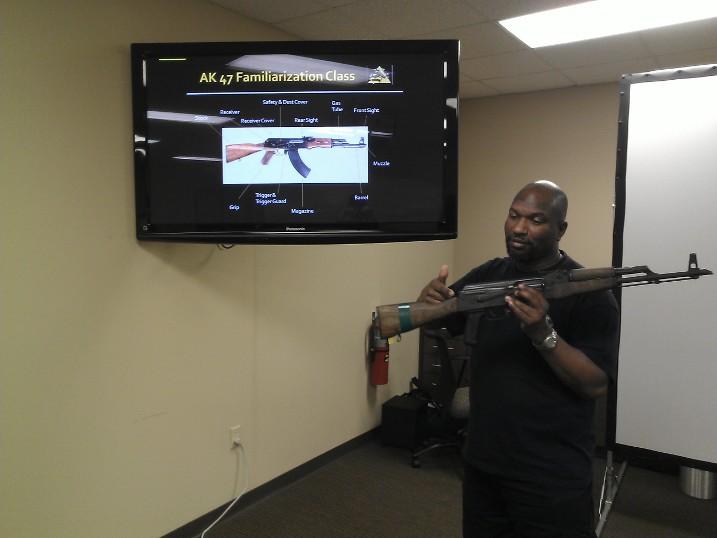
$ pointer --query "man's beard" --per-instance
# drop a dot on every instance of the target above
(520, 249)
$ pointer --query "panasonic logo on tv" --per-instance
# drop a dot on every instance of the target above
(300, 229)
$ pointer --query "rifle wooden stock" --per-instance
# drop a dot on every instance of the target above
(238, 151)
(393, 319)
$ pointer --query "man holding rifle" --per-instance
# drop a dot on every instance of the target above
(536, 368)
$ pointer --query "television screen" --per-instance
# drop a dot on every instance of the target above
(296, 142)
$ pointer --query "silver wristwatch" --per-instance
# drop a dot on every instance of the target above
(551, 340)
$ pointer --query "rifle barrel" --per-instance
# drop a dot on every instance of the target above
(657, 278)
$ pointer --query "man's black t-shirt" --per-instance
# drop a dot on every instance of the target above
(525, 423)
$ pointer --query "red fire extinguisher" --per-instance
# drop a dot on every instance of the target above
(378, 348)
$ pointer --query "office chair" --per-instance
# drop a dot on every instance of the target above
(442, 380)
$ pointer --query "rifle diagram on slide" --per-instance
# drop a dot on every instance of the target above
(394, 319)
(291, 147)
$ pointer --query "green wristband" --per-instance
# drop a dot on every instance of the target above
(404, 317)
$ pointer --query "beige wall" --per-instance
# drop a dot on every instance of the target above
(568, 136)
(124, 363)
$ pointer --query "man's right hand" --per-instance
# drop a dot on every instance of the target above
(436, 290)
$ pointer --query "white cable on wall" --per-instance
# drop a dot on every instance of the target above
(242, 466)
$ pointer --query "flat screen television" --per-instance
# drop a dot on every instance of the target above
(296, 142)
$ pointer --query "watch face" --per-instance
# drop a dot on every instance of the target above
(551, 341)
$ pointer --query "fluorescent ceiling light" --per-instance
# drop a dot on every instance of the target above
(602, 18)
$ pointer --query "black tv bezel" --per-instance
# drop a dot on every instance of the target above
(316, 234)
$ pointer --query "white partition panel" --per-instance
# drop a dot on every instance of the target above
(667, 383)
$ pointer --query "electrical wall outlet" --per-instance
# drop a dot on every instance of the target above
(235, 435)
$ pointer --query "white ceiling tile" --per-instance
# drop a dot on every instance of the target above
(479, 39)
(693, 35)
(594, 51)
(271, 11)
(497, 10)
(401, 18)
(329, 25)
(473, 88)
(532, 82)
(685, 59)
(487, 49)
(610, 72)
(503, 65)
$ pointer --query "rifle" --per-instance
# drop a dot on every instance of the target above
(291, 147)
(397, 318)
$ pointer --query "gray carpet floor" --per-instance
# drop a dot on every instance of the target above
(373, 492)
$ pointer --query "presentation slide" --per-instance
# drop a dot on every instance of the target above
(287, 139)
